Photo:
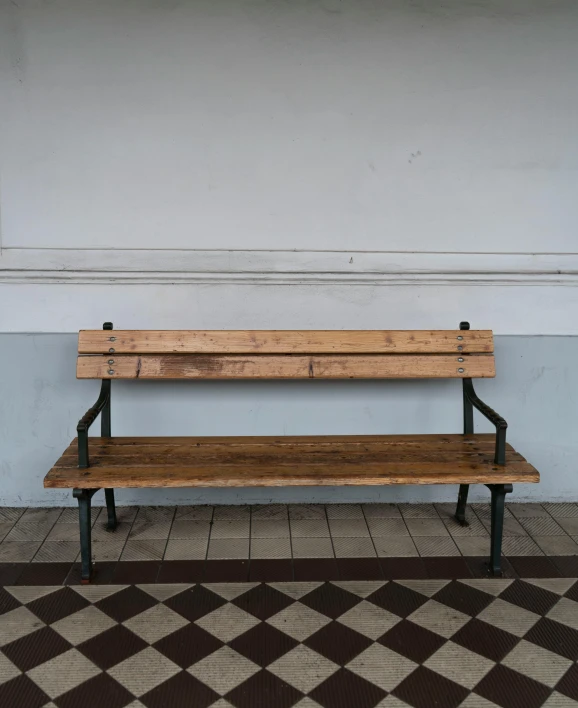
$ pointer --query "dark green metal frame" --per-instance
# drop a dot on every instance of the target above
(498, 491)
(84, 496)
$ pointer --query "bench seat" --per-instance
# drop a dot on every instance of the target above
(289, 461)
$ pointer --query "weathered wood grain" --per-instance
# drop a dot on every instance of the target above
(285, 341)
(302, 461)
(339, 366)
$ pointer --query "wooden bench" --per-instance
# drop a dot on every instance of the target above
(285, 461)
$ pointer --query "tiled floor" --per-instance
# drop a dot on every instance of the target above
(283, 532)
(343, 606)
(361, 644)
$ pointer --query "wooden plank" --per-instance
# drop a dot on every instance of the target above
(423, 440)
(304, 462)
(285, 341)
(340, 366)
(289, 475)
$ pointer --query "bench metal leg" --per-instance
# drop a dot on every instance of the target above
(84, 496)
(110, 509)
(462, 502)
(499, 492)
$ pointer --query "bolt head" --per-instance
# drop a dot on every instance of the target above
(460, 370)
(459, 337)
(460, 358)
(111, 351)
(111, 361)
(112, 339)
(111, 371)
(460, 349)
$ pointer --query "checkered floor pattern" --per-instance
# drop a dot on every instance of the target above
(346, 644)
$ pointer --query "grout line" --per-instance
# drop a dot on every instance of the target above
(329, 528)
(250, 540)
(128, 534)
(211, 522)
(290, 533)
(168, 537)
(369, 531)
(10, 529)
(46, 536)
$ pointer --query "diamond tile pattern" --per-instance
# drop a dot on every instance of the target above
(373, 644)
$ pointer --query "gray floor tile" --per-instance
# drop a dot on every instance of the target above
(11, 514)
(557, 545)
(18, 551)
(228, 548)
(312, 548)
(232, 513)
(569, 524)
(395, 547)
(149, 530)
(269, 512)
(57, 552)
(520, 546)
(561, 510)
(307, 511)
(269, 528)
(381, 511)
(436, 546)
(186, 549)
(183, 529)
(194, 513)
(151, 549)
(473, 545)
(353, 547)
(426, 527)
(418, 511)
(309, 528)
(387, 526)
(542, 526)
(344, 511)
(270, 548)
(348, 528)
(527, 511)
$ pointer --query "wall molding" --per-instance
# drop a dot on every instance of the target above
(143, 266)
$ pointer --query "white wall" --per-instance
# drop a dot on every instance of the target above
(340, 125)
(288, 164)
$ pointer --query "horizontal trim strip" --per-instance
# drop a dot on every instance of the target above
(70, 266)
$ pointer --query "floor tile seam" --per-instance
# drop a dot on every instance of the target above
(371, 537)
(46, 536)
(126, 540)
(329, 529)
(167, 544)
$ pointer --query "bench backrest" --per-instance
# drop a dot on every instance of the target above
(285, 354)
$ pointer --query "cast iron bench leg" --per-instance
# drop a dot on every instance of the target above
(111, 509)
(499, 492)
(84, 496)
(462, 502)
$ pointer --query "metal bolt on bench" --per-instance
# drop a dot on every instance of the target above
(332, 460)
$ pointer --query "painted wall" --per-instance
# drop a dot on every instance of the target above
(536, 390)
(288, 164)
(404, 125)
(294, 142)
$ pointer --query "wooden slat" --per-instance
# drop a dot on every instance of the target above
(301, 462)
(340, 366)
(424, 441)
(285, 341)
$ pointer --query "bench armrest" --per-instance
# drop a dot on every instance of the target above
(88, 419)
(493, 417)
